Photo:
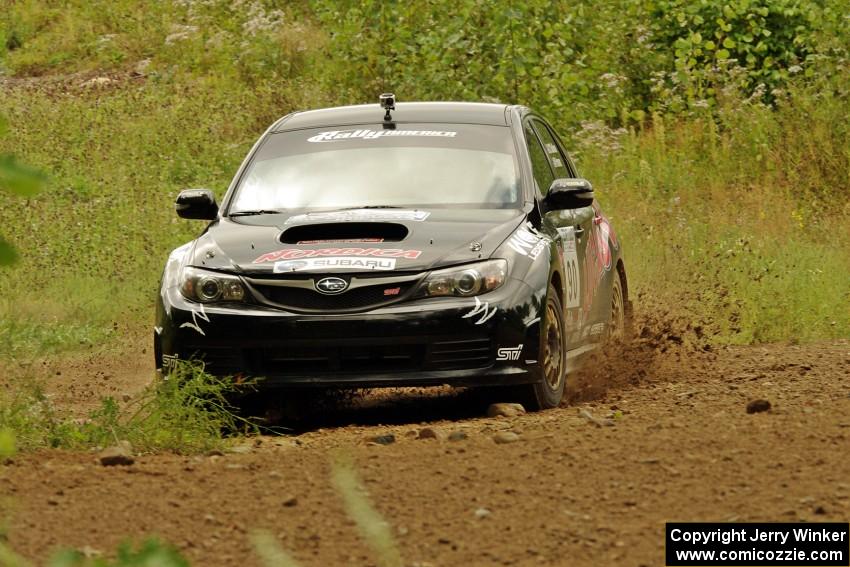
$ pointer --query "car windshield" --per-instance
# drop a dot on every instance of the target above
(434, 165)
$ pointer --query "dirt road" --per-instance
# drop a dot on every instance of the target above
(568, 492)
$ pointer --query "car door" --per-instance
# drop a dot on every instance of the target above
(573, 228)
(600, 243)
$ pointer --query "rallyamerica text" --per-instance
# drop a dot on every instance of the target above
(757, 534)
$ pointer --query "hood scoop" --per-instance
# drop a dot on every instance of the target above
(337, 232)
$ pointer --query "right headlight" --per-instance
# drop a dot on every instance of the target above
(206, 286)
(465, 281)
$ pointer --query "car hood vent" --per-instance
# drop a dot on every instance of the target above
(344, 232)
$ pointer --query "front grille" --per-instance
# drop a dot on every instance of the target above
(343, 359)
(303, 299)
(352, 356)
(463, 353)
(218, 360)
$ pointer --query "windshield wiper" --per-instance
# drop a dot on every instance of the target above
(254, 212)
(247, 213)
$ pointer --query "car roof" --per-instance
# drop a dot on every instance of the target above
(405, 112)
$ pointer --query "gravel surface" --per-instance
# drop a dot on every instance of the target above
(590, 483)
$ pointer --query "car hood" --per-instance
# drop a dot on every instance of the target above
(350, 241)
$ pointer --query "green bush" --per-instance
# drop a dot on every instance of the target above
(541, 53)
(188, 413)
(770, 40)
(577, 61)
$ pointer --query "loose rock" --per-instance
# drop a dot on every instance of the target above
(387, 439)
(458, 436)
(505, 410)
(120, 454)
(482, 513)
(758, 406)
(180, 33)
(503, 437)
(90, 552)
(290, 502)
(141, 67)
(595, 420)
(240, 449)
(98, 82)
(430, 433)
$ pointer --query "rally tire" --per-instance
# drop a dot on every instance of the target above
(548, 391)
(617, 327)
(620, 328)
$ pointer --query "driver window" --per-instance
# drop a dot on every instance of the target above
(543, 175)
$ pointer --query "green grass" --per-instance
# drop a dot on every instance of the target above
(745, 226)
(189, 413)
(93, 244)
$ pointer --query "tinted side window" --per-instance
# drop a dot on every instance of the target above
(539, 164)
(571, 166)
(555, 157)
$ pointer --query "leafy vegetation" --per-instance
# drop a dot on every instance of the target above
(557, 56)
(16, 179)
(769, 39)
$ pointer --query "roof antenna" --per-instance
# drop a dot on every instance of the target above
(387, 103)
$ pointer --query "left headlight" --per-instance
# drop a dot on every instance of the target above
(465, 281)
(206, 286)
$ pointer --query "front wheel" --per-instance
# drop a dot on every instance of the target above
(547, 393)
(617, 326)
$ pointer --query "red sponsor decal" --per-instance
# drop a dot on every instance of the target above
(296, 253)
(598, 257)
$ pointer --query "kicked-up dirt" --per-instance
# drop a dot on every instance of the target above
(651, 436)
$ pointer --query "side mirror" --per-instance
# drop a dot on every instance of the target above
(568, 193)
(196, 204)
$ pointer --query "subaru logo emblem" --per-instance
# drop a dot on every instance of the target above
(331, 286)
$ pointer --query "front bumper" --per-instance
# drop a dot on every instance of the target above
(457, 341)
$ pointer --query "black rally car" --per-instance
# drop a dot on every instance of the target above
(397, 244)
